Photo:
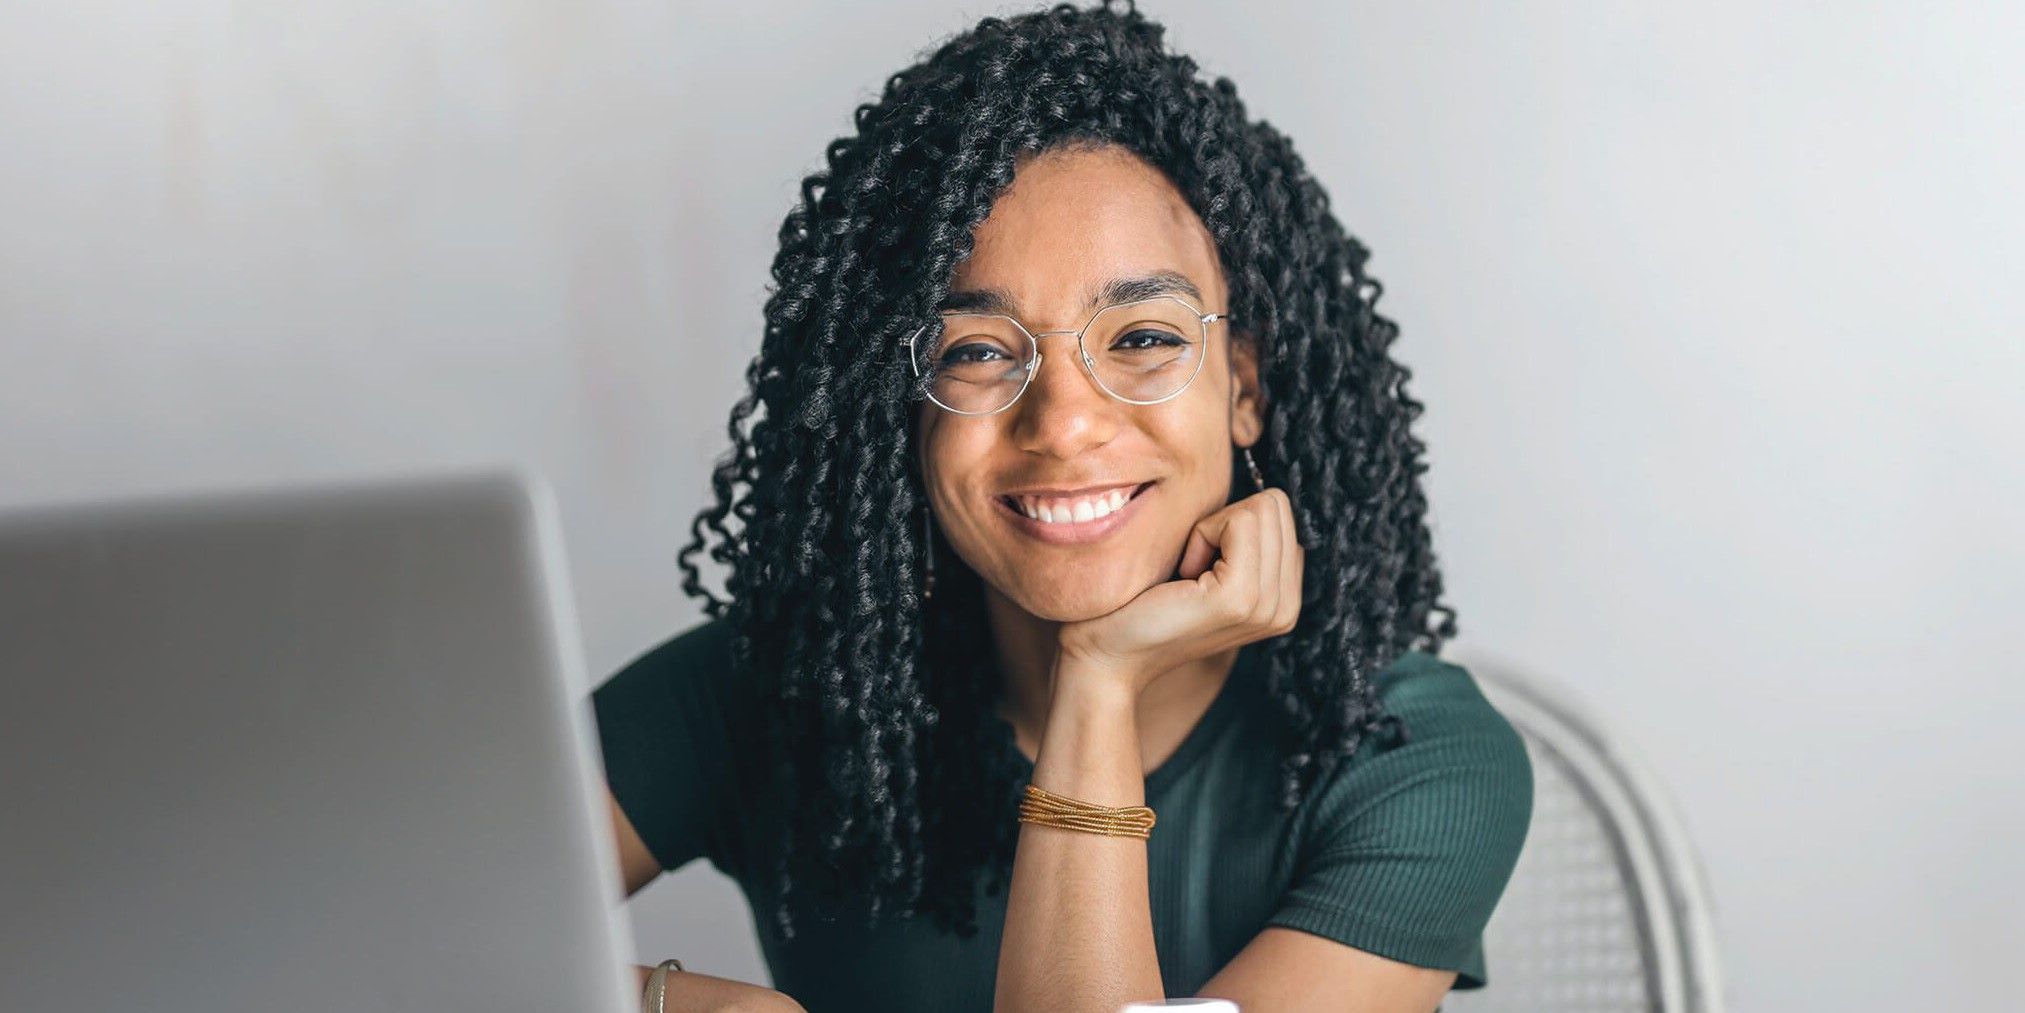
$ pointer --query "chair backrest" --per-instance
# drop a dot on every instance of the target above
(1606, 911)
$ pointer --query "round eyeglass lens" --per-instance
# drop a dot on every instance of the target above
(1145, 351)
(976, 363)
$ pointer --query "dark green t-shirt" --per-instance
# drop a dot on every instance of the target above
(1402, 851)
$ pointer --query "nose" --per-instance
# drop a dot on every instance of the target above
(1063, 412)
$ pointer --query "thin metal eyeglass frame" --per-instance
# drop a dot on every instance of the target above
(1089, 365)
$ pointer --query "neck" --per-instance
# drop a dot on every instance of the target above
(1025, 646)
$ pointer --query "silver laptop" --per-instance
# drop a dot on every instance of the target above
(305, 749)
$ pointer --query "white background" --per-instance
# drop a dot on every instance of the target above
(1715, 309)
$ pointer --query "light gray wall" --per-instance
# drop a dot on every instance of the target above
(1714, 309)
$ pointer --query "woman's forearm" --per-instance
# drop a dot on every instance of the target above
(1079, 925)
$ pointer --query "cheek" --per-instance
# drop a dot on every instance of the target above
(1197, 436)
(951, 458)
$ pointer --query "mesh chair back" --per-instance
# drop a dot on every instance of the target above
(1606, 910)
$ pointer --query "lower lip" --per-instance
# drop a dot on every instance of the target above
(1074, 532)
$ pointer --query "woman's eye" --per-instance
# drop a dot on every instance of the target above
(1143, 339)
(964, 355)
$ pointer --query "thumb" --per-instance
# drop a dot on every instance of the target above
(1203, 539)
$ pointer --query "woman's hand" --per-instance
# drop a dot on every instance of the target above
(1240, 581)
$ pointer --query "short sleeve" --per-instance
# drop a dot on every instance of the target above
(1412, 843)
(663, 723)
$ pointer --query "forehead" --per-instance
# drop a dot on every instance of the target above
(1072, 227)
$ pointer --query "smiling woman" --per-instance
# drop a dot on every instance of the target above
(1064, 336)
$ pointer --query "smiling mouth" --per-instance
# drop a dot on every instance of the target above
(1071, 512)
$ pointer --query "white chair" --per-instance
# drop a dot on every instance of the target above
(1606, 911)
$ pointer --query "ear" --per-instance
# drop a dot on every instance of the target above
(1247, 398)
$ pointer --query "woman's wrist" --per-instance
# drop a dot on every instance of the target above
(690, 992)
(1083, 686)
(1090, 717)
(1090, 747)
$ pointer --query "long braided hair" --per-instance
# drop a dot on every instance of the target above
(893, 776)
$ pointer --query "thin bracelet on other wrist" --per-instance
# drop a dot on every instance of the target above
(654, 998)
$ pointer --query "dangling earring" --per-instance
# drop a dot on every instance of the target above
(928, 556)
(1257, 479)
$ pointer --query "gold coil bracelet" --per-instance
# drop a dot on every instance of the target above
(1052, 810)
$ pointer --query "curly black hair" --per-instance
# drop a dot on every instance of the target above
(894, 775)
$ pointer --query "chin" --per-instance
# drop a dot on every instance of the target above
(1062, 605)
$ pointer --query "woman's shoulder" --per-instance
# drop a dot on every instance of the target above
(1438, 700)
(690, 667)
(698, 651)
(672, 731)
(1454, 750)
(1411, 839)
(680, 696)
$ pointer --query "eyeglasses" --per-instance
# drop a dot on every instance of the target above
(1141, 352)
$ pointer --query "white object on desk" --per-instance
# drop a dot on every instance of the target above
(313, 748)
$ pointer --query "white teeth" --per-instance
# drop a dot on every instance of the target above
(1077, 511)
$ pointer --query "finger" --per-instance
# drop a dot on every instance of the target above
(1197, 554)
(1292, 566)
(1272, 539)
(1233, 581)
(1203, 540)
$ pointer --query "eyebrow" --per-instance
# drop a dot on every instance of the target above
(1117, 290)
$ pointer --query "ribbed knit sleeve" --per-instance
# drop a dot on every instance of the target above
(1409, 847)
(663, 723)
